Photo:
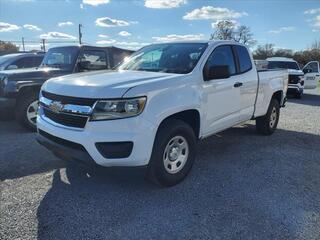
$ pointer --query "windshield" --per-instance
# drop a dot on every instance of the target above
(169, 58)
(63, 57)
(283, 65)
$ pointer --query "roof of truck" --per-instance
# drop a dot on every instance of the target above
(90, 46)
(281, 59)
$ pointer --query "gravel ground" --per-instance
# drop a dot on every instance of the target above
(242, 186)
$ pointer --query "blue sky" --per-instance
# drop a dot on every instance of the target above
(291, 24)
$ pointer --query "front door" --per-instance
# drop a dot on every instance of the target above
(221, 96)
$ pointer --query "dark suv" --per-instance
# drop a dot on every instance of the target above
(19, 89)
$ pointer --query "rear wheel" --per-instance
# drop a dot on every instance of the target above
(267, 124)
(173, 153)
(26, 110)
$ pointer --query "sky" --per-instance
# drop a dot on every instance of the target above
(292, 24)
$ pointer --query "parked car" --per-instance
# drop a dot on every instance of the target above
(19, 89)
(20, 60)
(152, 111)
(296, 76)
(311, 74)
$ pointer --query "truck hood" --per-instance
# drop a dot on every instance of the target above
(98, 84)
(295, 72)
(33, 74)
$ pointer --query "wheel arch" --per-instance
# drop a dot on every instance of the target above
(190, 117)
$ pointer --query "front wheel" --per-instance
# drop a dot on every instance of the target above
(173, 153)
(26, 110)
(267, 124)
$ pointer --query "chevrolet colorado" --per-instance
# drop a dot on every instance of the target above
(152, 110)
(19, 89)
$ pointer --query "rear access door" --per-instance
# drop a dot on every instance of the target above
(311, 74)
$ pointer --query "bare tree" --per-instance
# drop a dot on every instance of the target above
(244, 35)
(228, 30)
(224, 30)
(264, 51)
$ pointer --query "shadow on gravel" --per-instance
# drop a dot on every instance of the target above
(21, 155)
(307, 99)
(242, 186)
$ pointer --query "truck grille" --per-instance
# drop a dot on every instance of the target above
(66, 119)
(69, 100)
(294, 79)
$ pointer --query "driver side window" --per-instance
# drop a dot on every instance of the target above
(222, 56)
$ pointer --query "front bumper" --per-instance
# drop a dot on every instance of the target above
(136, 130)
(295, 89)
(7, 103)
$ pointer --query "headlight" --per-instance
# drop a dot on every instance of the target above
(115, 109)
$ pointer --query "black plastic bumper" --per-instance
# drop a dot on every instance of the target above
(64, 149)
(294, 91)
(7, 103)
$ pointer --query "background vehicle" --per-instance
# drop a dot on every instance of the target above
(152, 111)
(19, 89)
(20, 60)
(311, 74)
(296, 76)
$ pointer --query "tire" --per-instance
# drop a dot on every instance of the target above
(298, 95)
(267, 124)
(173, 153)
(26, 110)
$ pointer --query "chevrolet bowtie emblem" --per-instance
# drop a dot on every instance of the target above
(56, 106)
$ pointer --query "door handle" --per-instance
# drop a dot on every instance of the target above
(238, 84)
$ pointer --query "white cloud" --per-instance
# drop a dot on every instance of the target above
(176, 37)
(109, 22)
(67, 23)
(316, 22)
(215, 13)
(106, 42)
(312, 11)
(103, 36)
(57, 35)
(8, 27)
(124, 34)
(164, 3)
(32, 27)
(95, 2)
(282, 29)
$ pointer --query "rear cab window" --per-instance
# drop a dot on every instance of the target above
(244, 59)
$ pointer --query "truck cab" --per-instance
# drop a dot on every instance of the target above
(296, 75)
(19, 89)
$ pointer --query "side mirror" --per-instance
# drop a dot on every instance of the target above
(307, 70)
(84, 65)
(11, 67)
(216, 72)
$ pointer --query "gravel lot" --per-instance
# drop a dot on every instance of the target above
(242, 186)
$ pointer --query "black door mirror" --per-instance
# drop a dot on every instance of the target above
(216, 72)
(84, 65)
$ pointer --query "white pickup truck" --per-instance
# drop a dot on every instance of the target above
(152, 110)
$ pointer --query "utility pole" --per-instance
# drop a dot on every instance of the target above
(23, 44)
(43, 45)
(80, 34)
